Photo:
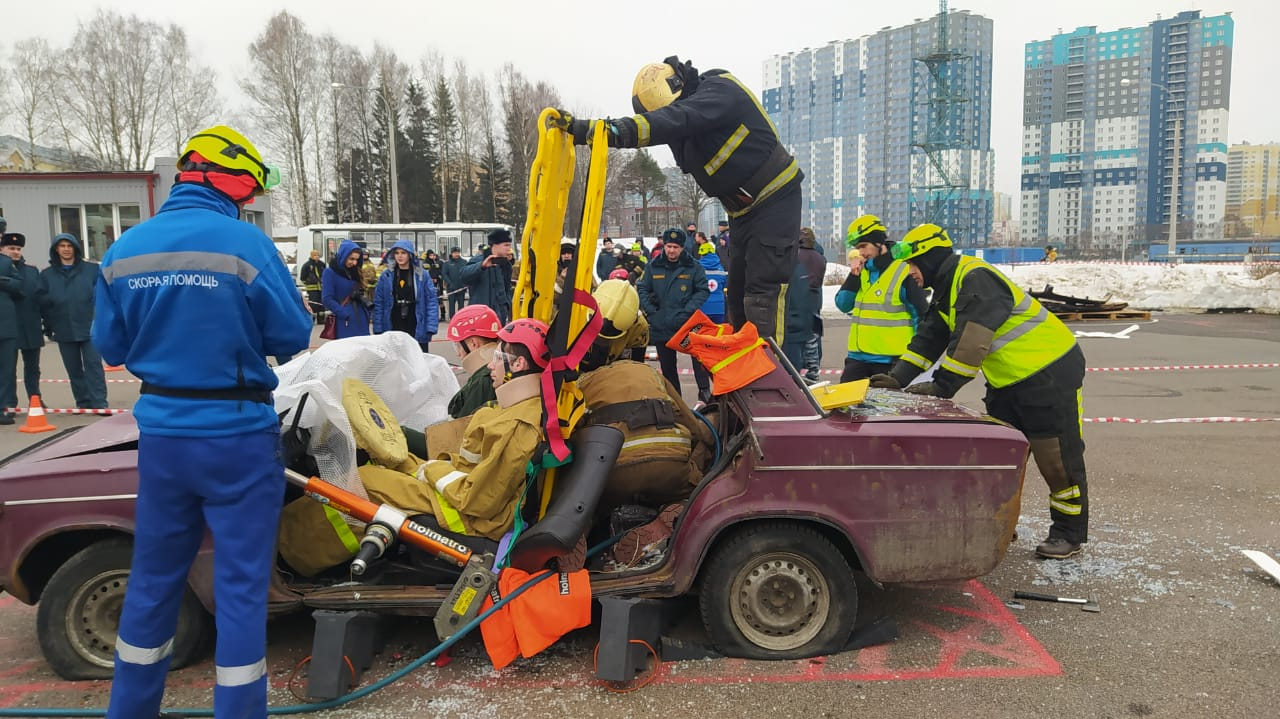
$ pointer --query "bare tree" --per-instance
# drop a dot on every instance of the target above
(285, 84)
(192, 98)
(115, 86)
(35, 74)
(688, 195)
(522, 102)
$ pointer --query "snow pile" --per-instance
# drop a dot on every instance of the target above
(1142, 285)
(1156, 286)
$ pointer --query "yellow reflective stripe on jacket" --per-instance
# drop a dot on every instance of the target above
(642, 130)
(882, 324)
(1030, 340)
(736, 355)
(916, 359)
(951, 364)
(783, 177)
(722, 155)
(452, 520)
(342, 529)
(657, 439)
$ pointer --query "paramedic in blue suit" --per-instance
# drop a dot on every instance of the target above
(193, 301)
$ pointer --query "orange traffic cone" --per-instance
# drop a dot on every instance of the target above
(112, 367)
(35, 418)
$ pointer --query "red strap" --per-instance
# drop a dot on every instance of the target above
(567, 362)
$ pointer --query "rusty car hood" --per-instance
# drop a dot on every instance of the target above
(115, 433)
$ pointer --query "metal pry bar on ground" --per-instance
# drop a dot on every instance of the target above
(1088, 605)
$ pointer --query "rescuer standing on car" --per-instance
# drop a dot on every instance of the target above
(719, 133)
(193, 301)
(980, 320)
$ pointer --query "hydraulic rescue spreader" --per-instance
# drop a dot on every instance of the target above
(385, 523)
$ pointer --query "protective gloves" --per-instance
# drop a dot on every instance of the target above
(578, 129)
(931, 389)
(885, 381)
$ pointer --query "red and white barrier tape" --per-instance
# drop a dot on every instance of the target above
(52, 410)
(1151, 368)
(1179, 420)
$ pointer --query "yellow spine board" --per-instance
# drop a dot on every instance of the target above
(549, 181)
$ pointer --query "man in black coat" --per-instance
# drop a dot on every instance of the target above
(19, 323)
(451, 275)
(720, 134)
(488, 275)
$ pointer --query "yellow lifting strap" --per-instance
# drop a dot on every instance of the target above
(550, 180)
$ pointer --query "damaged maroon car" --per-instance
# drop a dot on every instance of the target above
(902, 488)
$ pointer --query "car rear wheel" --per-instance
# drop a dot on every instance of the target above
(79, 614)
(778, 591)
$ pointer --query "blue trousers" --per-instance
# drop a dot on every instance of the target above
(84, 369)
(234, 486)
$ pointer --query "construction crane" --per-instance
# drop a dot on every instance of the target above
(939, 134)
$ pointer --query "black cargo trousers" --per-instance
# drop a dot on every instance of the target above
(1047, 408)
(764, 243)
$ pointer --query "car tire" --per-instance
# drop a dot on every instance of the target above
(778, 591)
(79, 614)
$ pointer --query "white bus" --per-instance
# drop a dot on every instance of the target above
(378, 238)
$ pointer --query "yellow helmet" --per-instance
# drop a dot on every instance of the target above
(862, 227)
(920, 240)
(706, 248)
(657, 85)
(224, 147)
(619, 304)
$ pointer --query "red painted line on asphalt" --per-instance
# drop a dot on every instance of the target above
(977, 638)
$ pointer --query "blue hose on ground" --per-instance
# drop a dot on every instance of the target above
(714, 434)
(346, 698)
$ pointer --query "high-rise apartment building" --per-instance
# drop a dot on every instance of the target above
(851, 110)
(1253, 191)
(1110, 118)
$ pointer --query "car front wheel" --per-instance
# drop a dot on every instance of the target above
(79, 614)
(778, 591)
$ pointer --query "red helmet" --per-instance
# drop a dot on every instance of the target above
(619, 274)
(532, 334)
(474, 321)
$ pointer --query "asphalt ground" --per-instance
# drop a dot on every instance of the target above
(1188, 626)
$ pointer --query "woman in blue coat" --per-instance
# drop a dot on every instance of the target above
(343, 293)
(405, 297)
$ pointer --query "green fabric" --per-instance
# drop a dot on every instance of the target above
(476, 393)
(417, 441)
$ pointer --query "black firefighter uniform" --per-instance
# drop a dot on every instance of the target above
(1034, 370)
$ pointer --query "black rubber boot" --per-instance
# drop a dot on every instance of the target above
(762, 311)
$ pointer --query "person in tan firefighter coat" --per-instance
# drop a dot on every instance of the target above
(980, 320)
(665, 446)
(478, 487)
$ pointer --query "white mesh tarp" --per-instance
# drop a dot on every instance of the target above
(415, 386)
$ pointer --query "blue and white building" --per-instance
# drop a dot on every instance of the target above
(1102, 115)
(846, 110)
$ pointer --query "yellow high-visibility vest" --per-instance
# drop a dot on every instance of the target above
(882, 324)
(1030, 340)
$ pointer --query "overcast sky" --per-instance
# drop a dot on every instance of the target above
(591, 51)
